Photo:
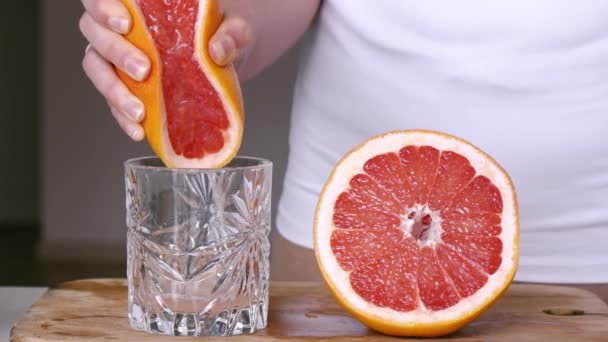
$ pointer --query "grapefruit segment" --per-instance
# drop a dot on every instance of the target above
(354, 248)
(466, 276)
(436, 289)
(484, 224)
(389, 281)
(481, 195)
(416, 233)
(454, 172)
(420, 163)
(483, 250)
(388, 171)
(366, 205)
(194, 110)
(369, 193)
(352, 213)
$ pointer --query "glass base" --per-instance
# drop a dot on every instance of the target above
(226, 323)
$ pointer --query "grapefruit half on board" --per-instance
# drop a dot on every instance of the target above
(194, 108)
(416, 233)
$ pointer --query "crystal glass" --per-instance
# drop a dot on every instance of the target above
(198, 249)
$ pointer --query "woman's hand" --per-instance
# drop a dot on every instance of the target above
(104, 23)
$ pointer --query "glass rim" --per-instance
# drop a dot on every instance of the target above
(137, 163)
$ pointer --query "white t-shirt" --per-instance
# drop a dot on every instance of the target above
(526, 81)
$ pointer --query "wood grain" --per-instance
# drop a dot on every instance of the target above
(96, 310)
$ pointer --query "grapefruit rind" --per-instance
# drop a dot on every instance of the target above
(421, 322)
(223, 79)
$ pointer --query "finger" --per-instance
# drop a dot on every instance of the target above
(106, 81)
(133, 130)
(115, 48)
(112, 14)
(231, 37)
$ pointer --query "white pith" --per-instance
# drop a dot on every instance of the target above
(407, 224)
(393, 142)
(234, 131)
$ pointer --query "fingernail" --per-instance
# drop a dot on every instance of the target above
(134, 109)
(232, 56)
(136, 68)
(218, 50)
(230, 50)
(120, 25)
(135, 134)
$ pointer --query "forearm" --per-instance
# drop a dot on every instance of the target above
(276, 26)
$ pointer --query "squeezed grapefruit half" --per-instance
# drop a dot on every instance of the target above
(194, 108)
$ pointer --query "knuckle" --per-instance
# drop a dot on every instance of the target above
(86, 63)
(99, 9)
(240, 23)
(115, 113)
(123, 57)
(230, 42)
(117, 52)
(114, 90)
(233, 19)
(83, 22)
(240, 30)
(247, 33)
(118, 117)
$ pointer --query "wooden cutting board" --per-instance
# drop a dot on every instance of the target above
(96, 310)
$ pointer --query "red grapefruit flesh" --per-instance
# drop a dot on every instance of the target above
(195, 114)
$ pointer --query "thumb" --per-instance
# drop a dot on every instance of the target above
(226, 45)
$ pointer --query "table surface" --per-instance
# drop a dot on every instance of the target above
(95, 310)
(14, 302)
